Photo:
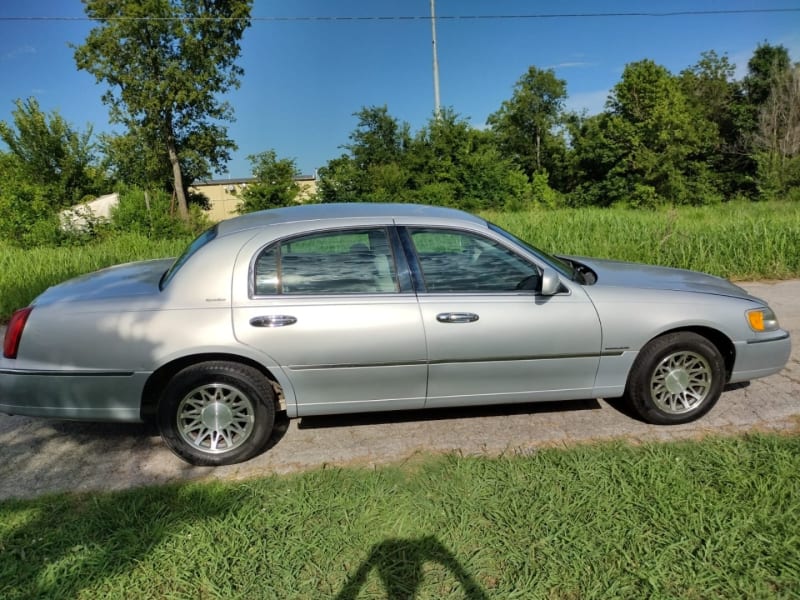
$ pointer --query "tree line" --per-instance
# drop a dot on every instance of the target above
(696, 137)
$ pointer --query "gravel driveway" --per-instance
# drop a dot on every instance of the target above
(40, 456)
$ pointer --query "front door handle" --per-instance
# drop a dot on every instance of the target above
(457, 317)
(273, 321)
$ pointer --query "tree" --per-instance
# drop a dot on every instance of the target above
(525, 123)
(48, 152)
(132, 160)
(372, 169)
(649, 148)
(766, 63)
(167, 62)
(378, 138)
(447, 162)
(453, 164)
(777, 141)
(763, 68)
(275, 184)
(712, 93)
(340, 181)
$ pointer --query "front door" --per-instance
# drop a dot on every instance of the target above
(491, 338)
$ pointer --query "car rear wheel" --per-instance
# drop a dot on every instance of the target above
(217, 413)
(676, 378)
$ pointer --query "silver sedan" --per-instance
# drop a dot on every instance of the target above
(342, 308)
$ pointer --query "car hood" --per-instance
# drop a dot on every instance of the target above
(634, 275)
(131, 279)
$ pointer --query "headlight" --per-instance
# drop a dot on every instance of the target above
(762, 319)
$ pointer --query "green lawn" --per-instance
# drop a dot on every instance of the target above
(718, 518)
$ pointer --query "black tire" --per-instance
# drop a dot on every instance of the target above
(676, 378)
(217, 413)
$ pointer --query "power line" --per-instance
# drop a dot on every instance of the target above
(340, 18)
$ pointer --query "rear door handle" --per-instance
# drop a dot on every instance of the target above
(457, 317)
(273, 321)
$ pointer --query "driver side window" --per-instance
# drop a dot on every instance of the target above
(463, 262)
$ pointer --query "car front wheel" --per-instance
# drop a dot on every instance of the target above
(676, 378)
(217, 413)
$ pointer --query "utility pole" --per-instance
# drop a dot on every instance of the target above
(436, 103)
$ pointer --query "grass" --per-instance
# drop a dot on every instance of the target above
(25, 273)
(712, 519)
(737, 240)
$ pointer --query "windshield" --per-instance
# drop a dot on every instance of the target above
(559, 265)
(200, 241)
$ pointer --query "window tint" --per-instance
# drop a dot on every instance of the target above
(457, 261)
(342, 262)
(266, 272)
(559, 265)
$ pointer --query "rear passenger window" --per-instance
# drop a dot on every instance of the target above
(356, 261)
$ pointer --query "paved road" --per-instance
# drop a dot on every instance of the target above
(42, 456)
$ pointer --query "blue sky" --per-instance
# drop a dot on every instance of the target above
(304, 79)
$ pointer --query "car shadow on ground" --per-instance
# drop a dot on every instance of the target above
(126, 434)
(622, 406)
(441, 414)
(148, 429)
(619, 404)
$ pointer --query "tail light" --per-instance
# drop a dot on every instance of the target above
(14, 332)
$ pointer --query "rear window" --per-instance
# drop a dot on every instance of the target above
(200, 241)
(354, 261)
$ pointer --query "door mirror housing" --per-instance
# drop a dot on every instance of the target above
(551, 283)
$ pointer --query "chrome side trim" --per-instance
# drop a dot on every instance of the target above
(53, 373)
(521, 358)
(356, 365)
(451, 361)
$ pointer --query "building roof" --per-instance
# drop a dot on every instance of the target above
(240, 180)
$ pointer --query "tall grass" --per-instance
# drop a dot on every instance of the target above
(735, 240)
(716, 519)
(25, 273)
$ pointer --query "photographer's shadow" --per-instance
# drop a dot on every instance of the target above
(399, 563)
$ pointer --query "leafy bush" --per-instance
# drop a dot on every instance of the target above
(27, 217)
(275, 184)
(541, 191)
(152, 214)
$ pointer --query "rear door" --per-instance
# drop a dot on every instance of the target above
(333, 309)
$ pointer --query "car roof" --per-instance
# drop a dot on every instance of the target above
(340, 210)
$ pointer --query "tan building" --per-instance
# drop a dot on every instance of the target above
(222, 193)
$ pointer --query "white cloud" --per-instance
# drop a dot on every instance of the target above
(570, 65)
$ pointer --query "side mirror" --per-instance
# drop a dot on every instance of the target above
(551, 284)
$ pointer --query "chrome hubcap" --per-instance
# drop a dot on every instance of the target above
(681, 382)
(215, 418)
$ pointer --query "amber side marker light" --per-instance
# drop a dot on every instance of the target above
(762, 319)
(14, 332)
